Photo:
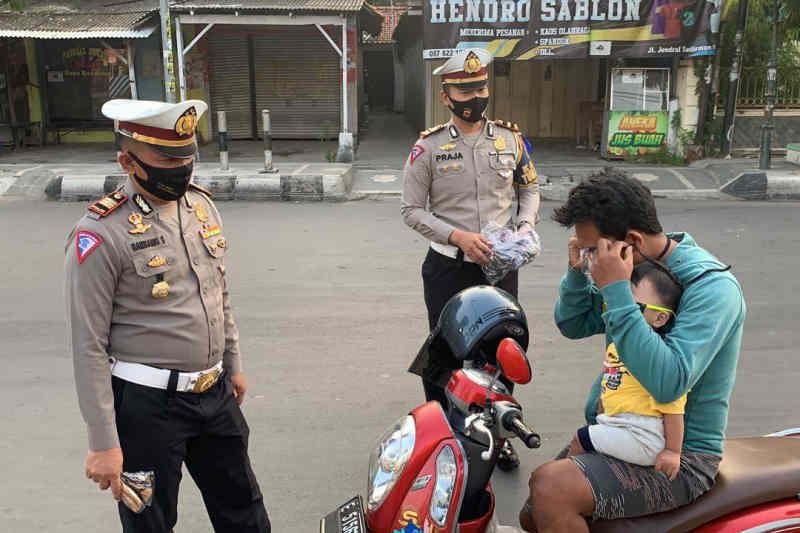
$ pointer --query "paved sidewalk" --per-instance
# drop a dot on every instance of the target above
(376, 171)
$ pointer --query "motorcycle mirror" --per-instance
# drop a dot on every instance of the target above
(513, 362)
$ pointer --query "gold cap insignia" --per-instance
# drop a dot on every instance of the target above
(187, 122)
(472, 63)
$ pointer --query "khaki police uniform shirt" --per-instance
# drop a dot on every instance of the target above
(114, 312)
(452, 182)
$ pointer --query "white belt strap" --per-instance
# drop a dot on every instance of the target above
(158, 378)
(449, 251)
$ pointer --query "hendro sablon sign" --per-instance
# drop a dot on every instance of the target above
(530, 29)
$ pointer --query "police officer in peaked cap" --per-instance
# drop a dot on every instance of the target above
(155, 346)
(460, 176)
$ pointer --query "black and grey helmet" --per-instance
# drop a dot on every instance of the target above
(475, 320)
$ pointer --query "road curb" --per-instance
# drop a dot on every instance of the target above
(333, 187)
(764, 185)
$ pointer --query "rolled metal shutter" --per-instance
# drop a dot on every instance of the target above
(229, 80)
(297, 77)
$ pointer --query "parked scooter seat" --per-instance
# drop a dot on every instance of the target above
(753, 471)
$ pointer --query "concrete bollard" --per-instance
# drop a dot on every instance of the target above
(267, 128)
(222, 129)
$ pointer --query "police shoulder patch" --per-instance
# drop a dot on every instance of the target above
(86, 242)
(507, 125)
(431, 131)
(108, 204)
(416, 151)
(200, 189)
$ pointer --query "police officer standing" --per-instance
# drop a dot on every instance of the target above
(460, 176)
(156, 349)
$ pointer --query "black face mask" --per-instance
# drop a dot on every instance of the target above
(470, 110)
(168, 184)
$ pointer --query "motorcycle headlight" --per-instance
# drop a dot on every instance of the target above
(387, 461)
(446, 472)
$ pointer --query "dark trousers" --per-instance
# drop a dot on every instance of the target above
(443, 278)
(160, 430)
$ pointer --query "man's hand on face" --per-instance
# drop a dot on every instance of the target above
(575, 259)
(613, 262)
(474, 245)
(105, 468)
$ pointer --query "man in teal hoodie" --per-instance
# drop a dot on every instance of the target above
(616, 226)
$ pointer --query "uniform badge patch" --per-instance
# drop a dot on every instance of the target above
(138, 226)
(157, 261)
(416, 151)
(142, 203)
(213, 231)
(86, 242)
(201, 213)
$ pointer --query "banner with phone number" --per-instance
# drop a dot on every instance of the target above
(548, 29)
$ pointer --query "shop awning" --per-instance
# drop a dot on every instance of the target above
(296, 6)
(369, 19)
(90, 19)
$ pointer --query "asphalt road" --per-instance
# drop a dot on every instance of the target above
(329, 304)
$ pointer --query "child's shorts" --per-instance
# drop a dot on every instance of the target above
(628, 437)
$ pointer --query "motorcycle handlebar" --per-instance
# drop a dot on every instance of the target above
(513, 422)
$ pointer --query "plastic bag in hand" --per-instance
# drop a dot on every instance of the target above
(510, 250)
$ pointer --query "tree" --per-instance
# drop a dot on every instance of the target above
(756, 42)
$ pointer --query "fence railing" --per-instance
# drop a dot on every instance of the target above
(752, 85)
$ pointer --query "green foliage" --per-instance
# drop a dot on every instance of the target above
(14, 5)
(757, 37)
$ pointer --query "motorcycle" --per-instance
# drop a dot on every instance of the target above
(431, 471)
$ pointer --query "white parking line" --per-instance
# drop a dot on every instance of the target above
(683, 179)
(299, 169)
(5, 184)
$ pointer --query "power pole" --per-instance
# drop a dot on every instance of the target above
(733, 81)
(765, 160)
(166, 51)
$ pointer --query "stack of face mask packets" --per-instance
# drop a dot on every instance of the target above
(510, 250)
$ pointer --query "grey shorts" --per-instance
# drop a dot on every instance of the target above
(624, 490)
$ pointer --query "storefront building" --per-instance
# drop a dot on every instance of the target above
(245, 57)
(65, 60)
(606, 74)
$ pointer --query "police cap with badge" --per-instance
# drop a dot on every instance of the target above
(167, 128)
(467, 68)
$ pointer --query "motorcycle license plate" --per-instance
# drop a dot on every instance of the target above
(347, 518)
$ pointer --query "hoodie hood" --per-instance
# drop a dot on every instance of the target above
(688, 261)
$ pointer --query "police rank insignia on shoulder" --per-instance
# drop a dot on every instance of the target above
(431, 131)
(203, 190)
(507, 125)
(108, 204)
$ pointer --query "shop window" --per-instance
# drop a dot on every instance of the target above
(81, 76)
(640, 89)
